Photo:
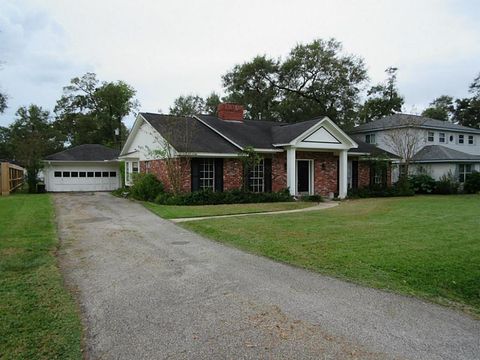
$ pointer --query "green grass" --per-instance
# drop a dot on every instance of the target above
(426, 246)
(174, 211)
(38, 316)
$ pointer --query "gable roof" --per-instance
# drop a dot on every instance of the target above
(186, 134)
(401, 120)
(438, 153)
(86, 152)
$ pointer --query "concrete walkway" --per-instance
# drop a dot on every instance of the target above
(320, 206)
(151, 290)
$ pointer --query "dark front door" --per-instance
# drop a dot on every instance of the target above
(303, 176)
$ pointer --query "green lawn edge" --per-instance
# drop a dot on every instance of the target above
(451, 277)
(40, 318)
(192, 211)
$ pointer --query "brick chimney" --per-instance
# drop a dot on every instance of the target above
(229, 111)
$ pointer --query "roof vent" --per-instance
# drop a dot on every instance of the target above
(229, 111)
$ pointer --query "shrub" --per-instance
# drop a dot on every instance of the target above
(446, 185)
(422, 184)
(472, 183)
(146, 187)
(401, 188)
(312, 198)
(209, 197)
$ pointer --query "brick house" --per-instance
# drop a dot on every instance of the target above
(310, 157)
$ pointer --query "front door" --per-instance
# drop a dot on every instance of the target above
(303, 176)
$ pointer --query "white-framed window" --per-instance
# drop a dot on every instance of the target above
(461, 139)
(463, 171)
(378, 177)
(441, 137)
(370, 138)
(131, 167)
(257, 177)
(207, 174)
(431, 136)
(471, 140)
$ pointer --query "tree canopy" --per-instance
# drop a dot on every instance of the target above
(314, 79)
(441, 108)
(193, 104)
(90, 111)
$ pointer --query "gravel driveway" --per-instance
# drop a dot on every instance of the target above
(149, 289)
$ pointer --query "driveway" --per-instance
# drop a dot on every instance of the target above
(149, 289)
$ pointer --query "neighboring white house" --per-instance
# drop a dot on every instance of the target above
(439, 147)
(89, 167)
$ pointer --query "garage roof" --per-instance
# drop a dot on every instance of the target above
(86, 152)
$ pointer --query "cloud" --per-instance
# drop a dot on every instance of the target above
(35, 56)
(168, 48)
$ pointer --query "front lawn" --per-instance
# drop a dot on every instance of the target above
(427, 246)
(183, 211)
(38, 316)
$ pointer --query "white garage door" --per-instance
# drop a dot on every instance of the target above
(65, 179)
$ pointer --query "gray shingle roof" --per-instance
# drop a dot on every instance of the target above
(364, 148)
(396, 120)
(86, 152)
(187, 134)
(442, 153)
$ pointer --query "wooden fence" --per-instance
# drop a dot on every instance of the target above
(11, 177)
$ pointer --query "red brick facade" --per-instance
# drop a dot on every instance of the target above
(325, 172)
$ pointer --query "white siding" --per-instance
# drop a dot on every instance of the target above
(146, 141)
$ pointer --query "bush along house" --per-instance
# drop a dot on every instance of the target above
(204, 152)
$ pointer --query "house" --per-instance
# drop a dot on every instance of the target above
(311, 157)
(437, 147)
(89, 167)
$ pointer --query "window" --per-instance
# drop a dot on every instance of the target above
(90, 174)
(57, 174)
(74, 174)
(113, 174)
(451, 138)
(207, 174)
(105, 174)
(463, 171)
(135, 166)
(130, 168)
(441, 137)
(82, 174)
(460, 139)
(370, 138)
(470, 139)
(431, 136)
(98, 174)
(66, 174)
(378, 177)
(256, 181)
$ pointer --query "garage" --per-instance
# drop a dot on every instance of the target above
(89, 167)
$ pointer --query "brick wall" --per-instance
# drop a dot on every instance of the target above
(232, 174)
(159, 169)
(363, 174)
(325, 173)
(279, 171)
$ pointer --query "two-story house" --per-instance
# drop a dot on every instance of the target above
(432, 146)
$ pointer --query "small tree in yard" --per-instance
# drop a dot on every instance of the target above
(176, 167)
(404, 141)
(249, 158)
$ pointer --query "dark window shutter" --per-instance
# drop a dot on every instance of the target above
(384, 176)
(354, 174)
(195, 172)
(268, 175)
(219, 175)
(372, 175)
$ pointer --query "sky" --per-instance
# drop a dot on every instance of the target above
(169, 48)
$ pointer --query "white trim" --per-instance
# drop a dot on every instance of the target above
(218, 132)
(311, 176)
(268, 150)
(81, 161)
(206, 154)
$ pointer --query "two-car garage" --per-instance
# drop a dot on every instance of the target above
(89, 167)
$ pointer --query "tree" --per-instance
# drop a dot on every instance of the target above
(32, 137)
(6, 152)
(211, 103)
(187, 105)
(382, 99)
(405, 141)
(3, 102)
(442, 108)
(92, 112)
(467, 110)
(314, 79)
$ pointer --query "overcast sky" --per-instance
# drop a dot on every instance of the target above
(168, 48)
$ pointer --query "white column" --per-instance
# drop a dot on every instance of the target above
(342, 175)
(292, 171)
